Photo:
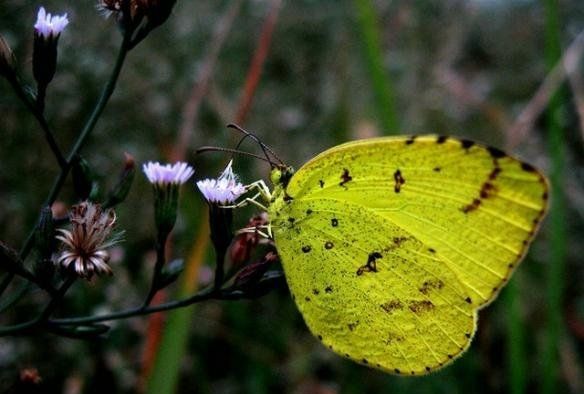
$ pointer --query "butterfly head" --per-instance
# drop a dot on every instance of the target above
(281, 175)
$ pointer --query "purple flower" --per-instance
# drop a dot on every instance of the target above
(223, 190)
(49, 26)
(175, 174)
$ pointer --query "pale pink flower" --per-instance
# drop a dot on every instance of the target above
(223, 190)
(175, 174)
(50, 26)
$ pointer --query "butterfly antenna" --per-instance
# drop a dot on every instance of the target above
(204, 149)
(266, 149)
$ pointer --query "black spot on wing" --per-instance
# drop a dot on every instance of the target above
(411, 139)
(306, 248)
(399, 180)
(371, 264)
(328, 245)
(488, 189)
(467, 144)
(528, 167)
(334, 222)
(496, 153)
(441, 139)
(345, 177)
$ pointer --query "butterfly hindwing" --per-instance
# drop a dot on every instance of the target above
(370, 291)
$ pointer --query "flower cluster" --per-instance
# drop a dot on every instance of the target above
(85, 244)
(223, 190)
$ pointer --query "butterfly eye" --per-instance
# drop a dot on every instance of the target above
(276, 176)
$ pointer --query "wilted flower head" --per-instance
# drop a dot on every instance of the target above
(175, 174)
(49, 26)
(85, 245)
(134, 11)
(223, 190)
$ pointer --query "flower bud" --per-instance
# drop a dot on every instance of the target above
(83, 179)
(45, 243)
(244, 243)
(122, 187)
(157, 11)
(252, 273)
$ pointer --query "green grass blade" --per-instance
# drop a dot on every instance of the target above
(557, 215)
(516, 359)
(380, 82)
(166, 372)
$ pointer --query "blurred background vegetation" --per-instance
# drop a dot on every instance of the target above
(304, 75)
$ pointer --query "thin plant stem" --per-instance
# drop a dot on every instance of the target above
(83, 135)
(30, 325)
(54, 302)
(557, 215)
(203, 295)
(38, 114)
(160, 259)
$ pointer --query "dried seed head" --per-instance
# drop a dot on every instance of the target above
(85, 245)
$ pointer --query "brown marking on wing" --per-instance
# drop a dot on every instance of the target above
(392, 305)
(420, 306)
(431, 284)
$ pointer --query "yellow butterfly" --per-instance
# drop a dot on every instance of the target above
(391, 246)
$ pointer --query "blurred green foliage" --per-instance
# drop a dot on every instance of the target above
(456, 67)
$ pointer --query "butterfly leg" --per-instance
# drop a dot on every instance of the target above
(262, 191)
(247, 201)
(256, 230)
